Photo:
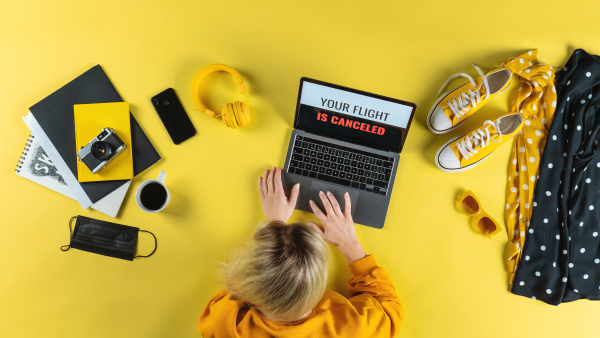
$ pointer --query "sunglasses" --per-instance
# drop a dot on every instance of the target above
(481, 221)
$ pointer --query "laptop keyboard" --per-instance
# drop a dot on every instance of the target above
(337, 164)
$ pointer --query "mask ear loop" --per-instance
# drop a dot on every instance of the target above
(155, 245)
(62, 248)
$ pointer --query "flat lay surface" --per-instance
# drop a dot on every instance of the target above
(452, 281)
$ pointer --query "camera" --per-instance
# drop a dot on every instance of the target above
(101, 150)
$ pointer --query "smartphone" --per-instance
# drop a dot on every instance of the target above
(173, 116)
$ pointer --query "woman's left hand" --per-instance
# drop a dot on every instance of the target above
(276, 206)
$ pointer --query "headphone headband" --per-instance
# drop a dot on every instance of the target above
(202, 74)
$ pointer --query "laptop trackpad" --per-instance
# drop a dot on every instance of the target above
(337, 191)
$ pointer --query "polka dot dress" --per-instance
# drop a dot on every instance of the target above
(562, 251)
(536, 101)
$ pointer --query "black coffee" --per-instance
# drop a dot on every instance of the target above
(153, 196)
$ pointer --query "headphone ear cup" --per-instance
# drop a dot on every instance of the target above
(230, 112)
(243, 113)
(236, 114)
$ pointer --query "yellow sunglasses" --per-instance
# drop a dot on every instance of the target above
(481, 221)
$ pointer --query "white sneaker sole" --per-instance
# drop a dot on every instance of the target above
(470, 166)
(435, 131)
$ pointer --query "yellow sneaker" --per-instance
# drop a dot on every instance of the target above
(455, 106)
(466, 151)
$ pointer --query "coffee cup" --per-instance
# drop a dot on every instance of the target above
(153, 195)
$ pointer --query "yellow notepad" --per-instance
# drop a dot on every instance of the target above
(90, 119)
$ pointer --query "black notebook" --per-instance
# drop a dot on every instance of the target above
(55, 116)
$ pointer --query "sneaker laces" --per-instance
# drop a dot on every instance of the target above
(460, 105)
(480, 138)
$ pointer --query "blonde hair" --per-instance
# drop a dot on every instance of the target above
(282, 271)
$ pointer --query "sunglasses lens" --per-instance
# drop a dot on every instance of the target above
(486, 226)
(469, 205)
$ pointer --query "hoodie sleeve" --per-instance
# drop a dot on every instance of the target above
(206, 323)
(373, 294)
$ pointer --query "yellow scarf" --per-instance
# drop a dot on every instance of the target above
(536, 101)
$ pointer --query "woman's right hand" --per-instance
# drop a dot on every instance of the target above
(338, 226)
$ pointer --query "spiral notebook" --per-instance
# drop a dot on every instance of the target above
(35, 165)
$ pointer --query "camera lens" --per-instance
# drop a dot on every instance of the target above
(101, 150)
(166, 103)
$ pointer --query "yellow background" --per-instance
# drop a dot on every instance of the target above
(451, 280)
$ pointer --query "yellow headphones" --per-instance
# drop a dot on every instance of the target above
(234, 114)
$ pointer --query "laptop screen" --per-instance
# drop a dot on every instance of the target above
(353, 115)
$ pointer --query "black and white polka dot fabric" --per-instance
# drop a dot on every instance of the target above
(561, 256)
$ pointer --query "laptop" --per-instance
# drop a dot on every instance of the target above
(346, 140)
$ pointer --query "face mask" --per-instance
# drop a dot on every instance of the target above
(105, 238)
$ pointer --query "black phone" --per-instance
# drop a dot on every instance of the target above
(173, 116)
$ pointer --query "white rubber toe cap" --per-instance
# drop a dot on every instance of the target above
(447, 160)
(439, 121)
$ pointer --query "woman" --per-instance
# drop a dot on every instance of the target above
(275, 287)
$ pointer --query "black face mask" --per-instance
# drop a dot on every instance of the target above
(105, 238)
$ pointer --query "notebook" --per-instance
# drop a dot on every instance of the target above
(52, 122)
(90, 119)
(35, 165)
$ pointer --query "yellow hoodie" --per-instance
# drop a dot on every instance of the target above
(373, 310)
